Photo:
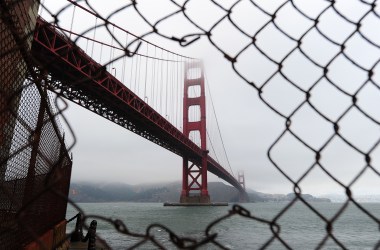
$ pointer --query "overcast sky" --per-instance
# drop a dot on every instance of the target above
(109, 153)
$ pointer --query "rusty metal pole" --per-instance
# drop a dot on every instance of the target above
(35, 143)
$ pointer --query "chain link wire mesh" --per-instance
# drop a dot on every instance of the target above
(35, 165)
(24, 102)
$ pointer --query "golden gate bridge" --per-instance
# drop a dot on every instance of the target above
(76, 76)
(164, 80)
(161, 96)
(149, 90)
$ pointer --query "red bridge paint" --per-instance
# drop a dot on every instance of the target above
(77, 77)
(196, 172)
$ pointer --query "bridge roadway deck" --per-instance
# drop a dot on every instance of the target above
(76, 76)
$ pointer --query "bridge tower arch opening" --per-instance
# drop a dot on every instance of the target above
(194, 179)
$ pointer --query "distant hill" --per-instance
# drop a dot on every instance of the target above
(161, 192)
(108, 192)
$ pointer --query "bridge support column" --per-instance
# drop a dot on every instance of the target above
(243, 196)
(194, 178)
(185, 181)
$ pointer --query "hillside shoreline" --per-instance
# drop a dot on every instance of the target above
(87, 192)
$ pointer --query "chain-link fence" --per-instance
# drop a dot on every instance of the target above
(340, 46)
(35, 165)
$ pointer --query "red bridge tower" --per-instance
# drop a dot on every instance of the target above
(243, 196)
(241, 179)
(194, 179)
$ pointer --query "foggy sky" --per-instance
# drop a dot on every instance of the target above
(109, 153)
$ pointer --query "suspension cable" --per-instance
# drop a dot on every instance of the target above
(115, 25)
(112, 46)
(217, 124)
(212, 147)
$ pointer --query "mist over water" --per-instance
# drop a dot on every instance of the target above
(300, 228)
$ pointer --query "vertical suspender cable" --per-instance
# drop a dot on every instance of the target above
(101, 53)
(86, 45)
(136, 66)
(217, 124)
(139, 75)
(171, 88)
(154, 78)
(72, 21)
(146, 70)
(42, 8)
(176, 94)
(93, 38)
(161, 63)
(111, 50)
(174, 74)
(124, 60)
(130, 76)
(167, 83)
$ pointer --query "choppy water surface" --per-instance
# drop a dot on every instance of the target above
(300, 228)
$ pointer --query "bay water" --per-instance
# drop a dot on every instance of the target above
(300, 228)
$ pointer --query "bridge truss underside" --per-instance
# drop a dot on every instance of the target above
(76, 76)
